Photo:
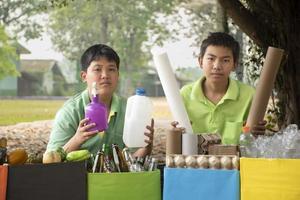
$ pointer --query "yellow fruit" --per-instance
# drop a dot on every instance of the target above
(51, 157)
(17, 157)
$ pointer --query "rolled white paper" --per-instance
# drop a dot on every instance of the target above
(189, 144)
(171, 90)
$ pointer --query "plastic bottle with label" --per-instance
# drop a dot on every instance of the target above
(96, 111)
(137, 116)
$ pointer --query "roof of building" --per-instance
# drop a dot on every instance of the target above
(21, 49)
(37, 65)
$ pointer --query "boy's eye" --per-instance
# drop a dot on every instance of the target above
(112, 69)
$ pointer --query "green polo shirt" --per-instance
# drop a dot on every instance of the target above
(68, 117)
(225, 118)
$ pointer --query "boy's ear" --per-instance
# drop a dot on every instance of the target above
(235, 66)
(200, 61)
(83, 76)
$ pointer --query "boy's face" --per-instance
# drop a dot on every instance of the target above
(217, 63)
(105, 73)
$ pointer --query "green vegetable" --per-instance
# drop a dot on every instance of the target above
(62, 153)
(78, 155)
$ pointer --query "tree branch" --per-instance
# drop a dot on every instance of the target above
(244, 19)
(13, 19)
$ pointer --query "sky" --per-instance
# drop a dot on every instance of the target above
(180, 53)
(40, 49)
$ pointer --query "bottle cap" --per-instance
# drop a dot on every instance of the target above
(140, 91)
(246, 129)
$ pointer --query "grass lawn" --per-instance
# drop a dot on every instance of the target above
(15, 111)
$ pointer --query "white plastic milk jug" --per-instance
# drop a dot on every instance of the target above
(137, 116)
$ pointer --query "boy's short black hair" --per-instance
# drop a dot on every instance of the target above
(221, 39)
(96, 52)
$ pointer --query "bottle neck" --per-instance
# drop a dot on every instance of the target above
(95, 98)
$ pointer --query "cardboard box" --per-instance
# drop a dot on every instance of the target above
(59, 181)
(219, 149)
(272, 179)
(124, 186)
(206, 184)
(207, 139)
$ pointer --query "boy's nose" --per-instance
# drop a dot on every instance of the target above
(217, 65)
(104, 73)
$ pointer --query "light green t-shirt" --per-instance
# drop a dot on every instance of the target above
(68, 117)
(225, 118)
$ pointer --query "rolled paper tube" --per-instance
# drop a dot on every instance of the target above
(171, 90)
(173, 141)
(189, 144)
(264, 86)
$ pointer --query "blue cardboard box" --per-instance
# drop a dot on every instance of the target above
(206, 184)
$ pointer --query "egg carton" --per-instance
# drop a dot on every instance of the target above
(228, 162)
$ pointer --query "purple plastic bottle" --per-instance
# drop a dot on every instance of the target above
(96, 112)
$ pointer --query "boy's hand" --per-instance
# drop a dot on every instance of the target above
(82, 134)
(259, 128)
(150, 134)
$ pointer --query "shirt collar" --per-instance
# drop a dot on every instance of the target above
(232, 90)
(114, 105)
(197, 92)
(231, 93)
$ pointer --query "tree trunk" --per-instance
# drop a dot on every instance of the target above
(276, 24)
(104, 30)
(289, 95)
(240, 69)
(287, 87)
(222, 24)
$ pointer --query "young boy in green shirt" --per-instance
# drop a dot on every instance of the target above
(100, 64)
(215, 103)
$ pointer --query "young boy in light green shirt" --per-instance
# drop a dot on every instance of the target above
(215, 103)
(100, 64)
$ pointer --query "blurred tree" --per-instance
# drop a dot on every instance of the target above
(203, 19)
(16, 17)
(126, 25)
(274, 23)
(209, 16)
(7, 56)
(19, 17)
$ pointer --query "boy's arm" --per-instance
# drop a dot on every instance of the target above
(68, 132)
(62, 131)
(82, 134)
(259, 128)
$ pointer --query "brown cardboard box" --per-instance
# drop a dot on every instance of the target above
(219, 149)
(206, 140)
